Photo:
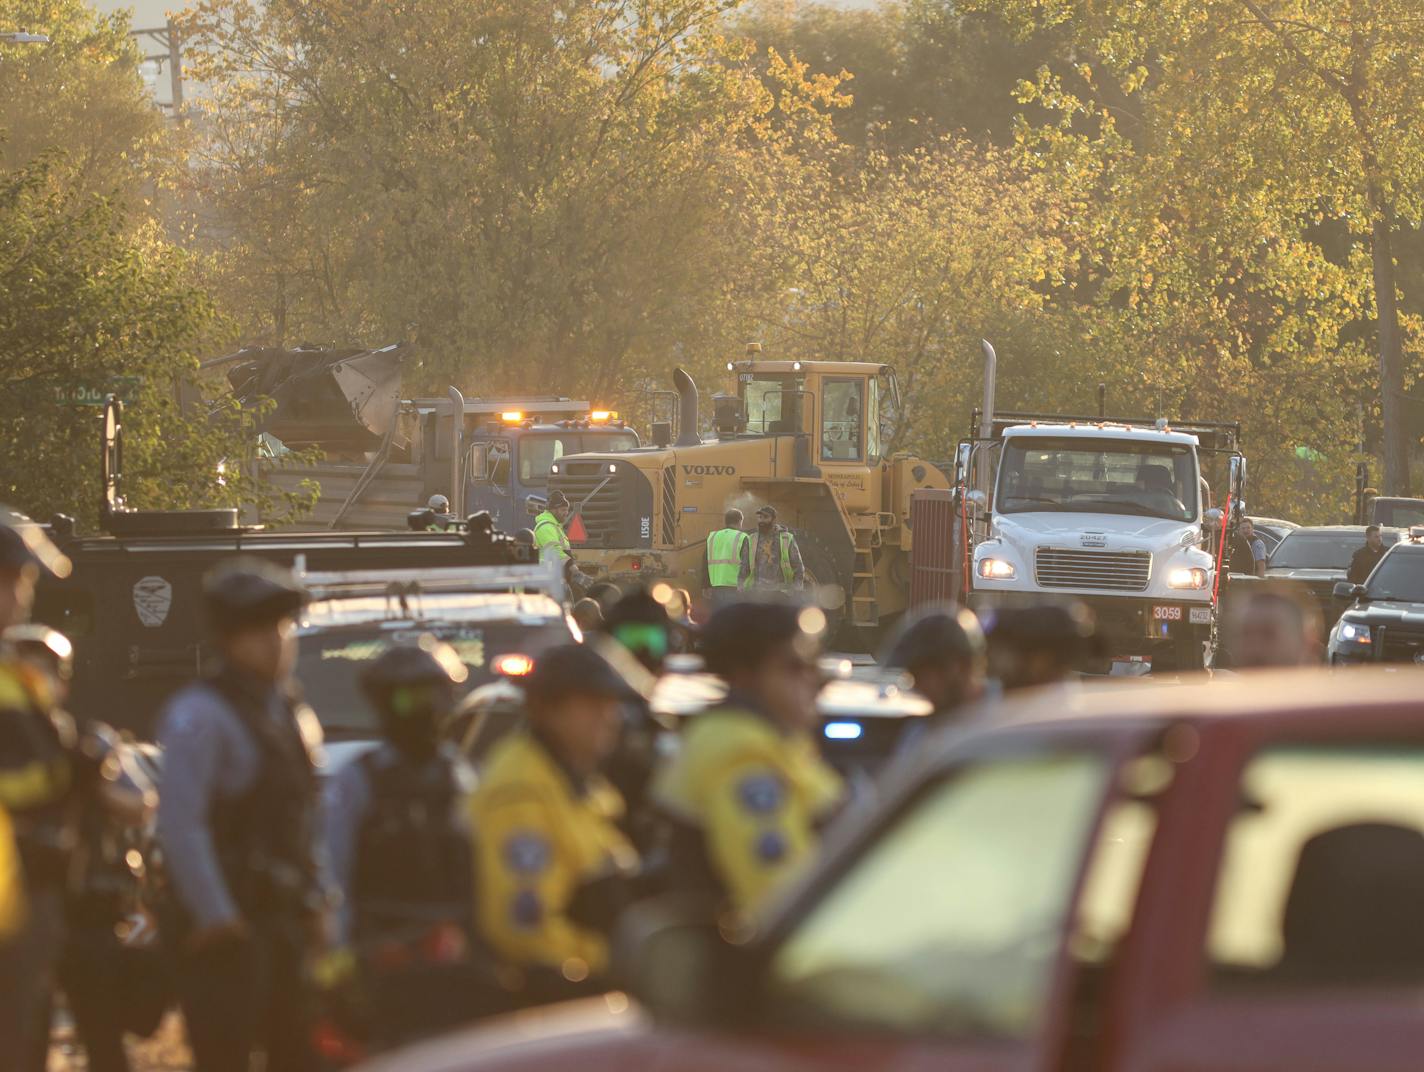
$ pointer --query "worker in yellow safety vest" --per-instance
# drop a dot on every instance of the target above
(727, 563)
(550, 539)
(775, 559)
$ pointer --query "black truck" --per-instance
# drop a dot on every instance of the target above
(132, 604)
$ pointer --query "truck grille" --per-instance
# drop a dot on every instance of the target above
(1398, 645)
(1117, 571)
(615, 503)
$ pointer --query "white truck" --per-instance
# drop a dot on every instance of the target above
(1114, 514)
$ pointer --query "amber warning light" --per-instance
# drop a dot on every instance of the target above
(512, 665)
(513, 416)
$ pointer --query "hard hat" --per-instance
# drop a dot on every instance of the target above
(23, 543)
(439, 504)
(49, 644)
(248, 591)
(740, 635)
(933, 636)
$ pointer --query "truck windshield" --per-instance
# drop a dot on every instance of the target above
(538, 452)
(771, 402)
(1098, 476)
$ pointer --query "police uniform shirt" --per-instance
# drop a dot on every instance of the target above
(754, 795)
(207, 755)
(540, 834)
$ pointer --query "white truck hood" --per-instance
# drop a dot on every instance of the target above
(1120, 530)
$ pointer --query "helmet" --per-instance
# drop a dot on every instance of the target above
(412, 688)
(439, 504)
(640, 622)
(247, 591)
(524, 536)
(44, 643)
(582, 670)
(942, 633)
(739, 636)
(24, 543)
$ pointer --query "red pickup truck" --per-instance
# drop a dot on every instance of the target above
(1224, 875)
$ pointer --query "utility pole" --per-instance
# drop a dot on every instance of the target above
(162, 45)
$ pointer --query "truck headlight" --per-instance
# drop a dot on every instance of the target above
(1355, 634)
(996, 569)
(1193, 577)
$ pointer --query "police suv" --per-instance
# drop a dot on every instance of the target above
(1385, 623)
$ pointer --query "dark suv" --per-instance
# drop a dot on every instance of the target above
(1385, 623)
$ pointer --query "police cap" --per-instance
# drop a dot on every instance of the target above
(947, 633)
(740, 635)
(427, 662)
(24, 543)
(584, 670)
(247, 591)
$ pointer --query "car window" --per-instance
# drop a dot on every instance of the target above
(1400, 575)
(1322, 877)
(951, 923)
(1314, 550)
(842, 411)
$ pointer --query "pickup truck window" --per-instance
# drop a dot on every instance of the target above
(1322, 876)
(1098, 476)
(951, 923)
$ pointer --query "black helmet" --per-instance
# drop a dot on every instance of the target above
(24, 543)
(740, 635)
(936, 635)
(44, 643)
(247, 591)
(640, 622)
(412, 688)
(585, 670)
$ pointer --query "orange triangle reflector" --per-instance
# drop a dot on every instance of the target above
(575, 531)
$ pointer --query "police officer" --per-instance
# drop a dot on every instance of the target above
(1036, 646)
(775, 558)
(726, 563)
(550, 539)
(748, 791)
(943, 651)
(237, 824)
(43, 775)
(547, 832)
(398, 843)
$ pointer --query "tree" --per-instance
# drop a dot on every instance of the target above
(1273, 117)
(90, 305)
(534, 194)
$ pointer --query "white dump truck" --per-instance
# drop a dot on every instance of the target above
(1115, 514)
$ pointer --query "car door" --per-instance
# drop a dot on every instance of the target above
(938, 940)
(1303, 946)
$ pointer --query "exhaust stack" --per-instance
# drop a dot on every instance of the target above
(687, 409)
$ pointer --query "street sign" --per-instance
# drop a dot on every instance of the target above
(84, 395)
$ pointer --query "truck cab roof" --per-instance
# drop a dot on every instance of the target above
(1101, 430)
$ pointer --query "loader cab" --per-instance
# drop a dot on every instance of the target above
(842, 406)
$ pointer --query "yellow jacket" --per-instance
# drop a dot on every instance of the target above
(12, 889)
(538, 839)
(753, 796)
(38, 774)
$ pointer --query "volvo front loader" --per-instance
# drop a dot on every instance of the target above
(804, 436)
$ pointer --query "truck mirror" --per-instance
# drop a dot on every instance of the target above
(1212, 517)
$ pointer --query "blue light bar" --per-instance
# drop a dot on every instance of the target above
(843, 731)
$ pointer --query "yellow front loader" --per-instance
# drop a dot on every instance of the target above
(804, 436)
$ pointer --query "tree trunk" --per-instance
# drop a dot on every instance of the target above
(1391, 356)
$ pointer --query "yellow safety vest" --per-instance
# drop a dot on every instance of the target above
(538, 839)
(724, 557)
(784, 541)
(548, 533)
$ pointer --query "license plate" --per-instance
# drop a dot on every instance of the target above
(1200, 616)
(1166, 614)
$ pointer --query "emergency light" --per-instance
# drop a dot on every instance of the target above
(513, 416)
(843, 731)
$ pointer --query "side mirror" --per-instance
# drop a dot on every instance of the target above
(1346, 590)
(1212, 517)
(672, 955)
(977, 499)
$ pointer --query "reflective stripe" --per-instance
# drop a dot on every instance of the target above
(724, 558)
(787, 573)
